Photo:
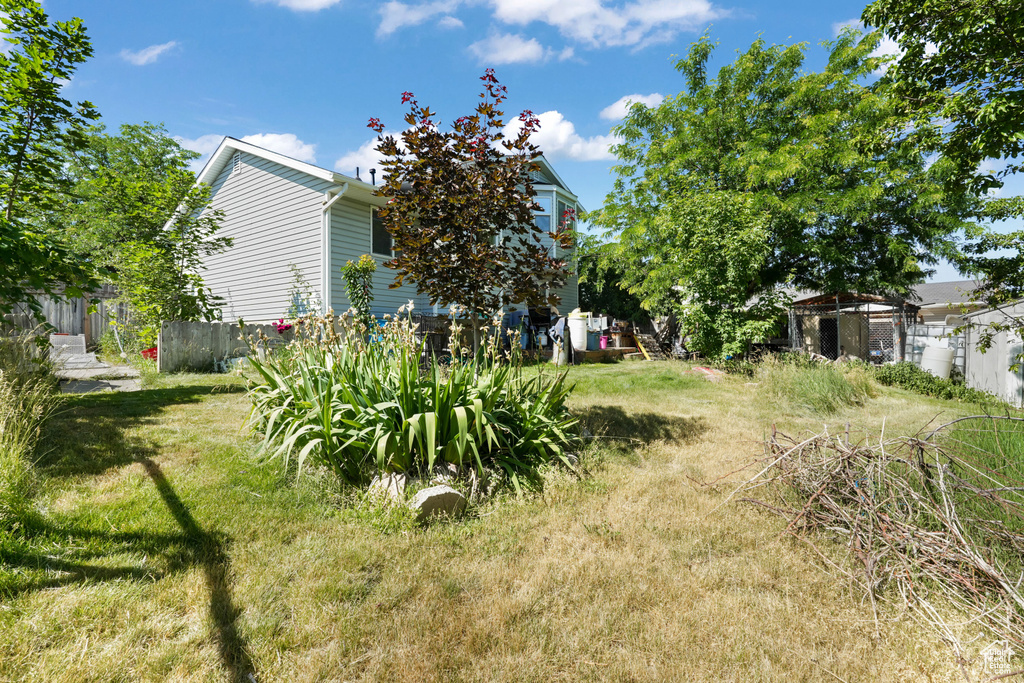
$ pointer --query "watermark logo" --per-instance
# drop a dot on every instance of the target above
(995, 659)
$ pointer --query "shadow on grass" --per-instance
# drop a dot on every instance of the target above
(88, 438)
(625, 430)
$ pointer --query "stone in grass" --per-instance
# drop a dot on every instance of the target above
(437, 500)
(391, 484)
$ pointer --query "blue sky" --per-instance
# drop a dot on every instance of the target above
(302, 77)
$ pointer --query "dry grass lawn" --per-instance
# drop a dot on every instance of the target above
(162, 552)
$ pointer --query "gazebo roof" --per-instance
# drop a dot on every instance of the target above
(847, 298)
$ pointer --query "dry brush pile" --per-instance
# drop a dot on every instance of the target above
(932, 521)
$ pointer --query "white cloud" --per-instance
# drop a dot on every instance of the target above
(364, 158)
(450, 22)
(508, 48)
(597, 24)
(302, 5)
(284, 143)
(618, 110)
(558, 139)
(147, 55)
(204, 144)
(395, 15)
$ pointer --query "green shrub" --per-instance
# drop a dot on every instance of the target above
(364, 407)
(818, 387)
(906, 375)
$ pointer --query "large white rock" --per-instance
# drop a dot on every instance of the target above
(437, 500)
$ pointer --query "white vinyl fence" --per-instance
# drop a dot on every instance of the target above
(990, 371)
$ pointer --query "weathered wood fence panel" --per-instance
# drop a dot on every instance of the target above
(200, 345)
(72, 316)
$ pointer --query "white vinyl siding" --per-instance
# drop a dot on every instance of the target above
(273, 214)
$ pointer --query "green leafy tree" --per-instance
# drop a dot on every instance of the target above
(461, 210)
(124, 189)
(134, 208)
(962, 61)
(160, 278)
(601, 281)
(37, 124)
(769, 177)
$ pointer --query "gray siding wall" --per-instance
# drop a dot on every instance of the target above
(569, 293)
(273, 213)
(350, 239)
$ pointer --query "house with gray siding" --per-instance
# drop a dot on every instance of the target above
(284, 214)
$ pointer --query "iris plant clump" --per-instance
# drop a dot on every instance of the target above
(367, 405)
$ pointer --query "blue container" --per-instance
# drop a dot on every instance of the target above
(593, 341)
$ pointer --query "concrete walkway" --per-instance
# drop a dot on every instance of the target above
(84, 373)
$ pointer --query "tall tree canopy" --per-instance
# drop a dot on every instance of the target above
(461, 209)
(134, 208)
(37, 124)
(124, 188)
(962, 61)
(767, 177)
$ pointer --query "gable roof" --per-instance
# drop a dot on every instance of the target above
(953, 292)
(358, 188)
(229, 145)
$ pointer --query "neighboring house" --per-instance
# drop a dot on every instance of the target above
(945, 303)
(283, 212)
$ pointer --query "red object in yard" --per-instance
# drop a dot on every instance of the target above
(149, 354)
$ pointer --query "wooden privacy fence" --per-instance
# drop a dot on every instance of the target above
(200, 346)
(72, 316)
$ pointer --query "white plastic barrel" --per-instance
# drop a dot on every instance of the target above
(578, 333)
(937, 361)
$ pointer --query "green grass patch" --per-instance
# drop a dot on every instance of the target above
(815, 387)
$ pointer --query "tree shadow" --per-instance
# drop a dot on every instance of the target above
(624, 430)
(89, 438)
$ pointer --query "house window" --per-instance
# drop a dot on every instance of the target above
(380, 240)
(566, 215)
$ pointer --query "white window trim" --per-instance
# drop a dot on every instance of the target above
(550, 213)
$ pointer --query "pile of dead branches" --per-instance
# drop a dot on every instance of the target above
(928, 520)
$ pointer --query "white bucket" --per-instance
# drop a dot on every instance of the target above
(937, 361)
(578, 333)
